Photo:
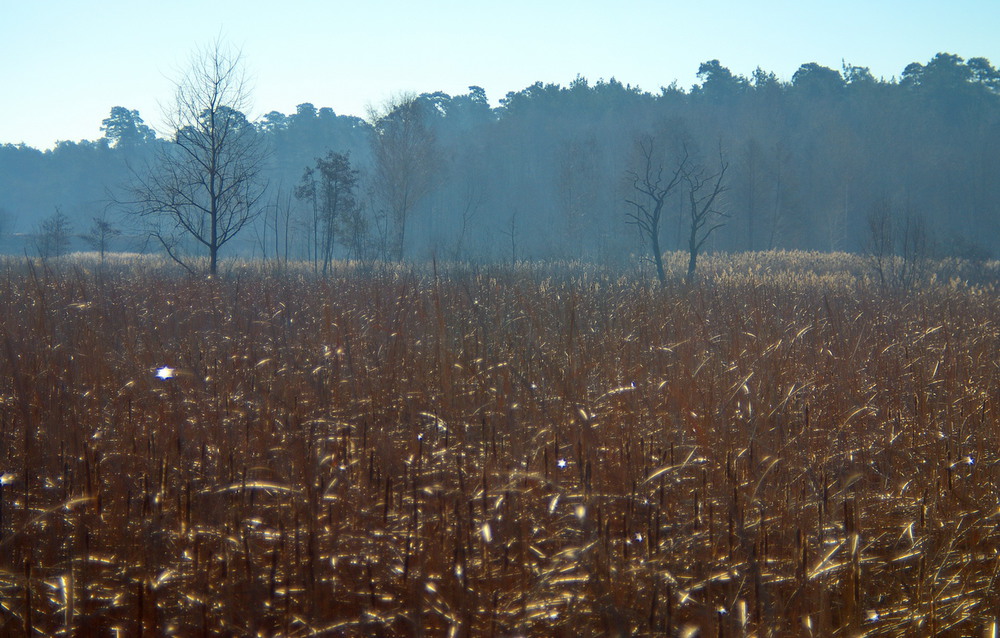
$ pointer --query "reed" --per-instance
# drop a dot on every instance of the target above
(486, 451)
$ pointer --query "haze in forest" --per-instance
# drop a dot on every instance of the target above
(485, 135)
(554, 171)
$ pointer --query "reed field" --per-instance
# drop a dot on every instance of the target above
(783, 449)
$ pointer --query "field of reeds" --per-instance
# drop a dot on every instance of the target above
(781, 450)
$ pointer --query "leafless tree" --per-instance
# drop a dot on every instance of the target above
(897, 246)
(102, 232)
(206, 185)
(473, 201)
(705, 216)
(53, 235)
(405, 162)
(306, 190)
(277, 220)
(512, 234)
(357, 235)
(653, 184)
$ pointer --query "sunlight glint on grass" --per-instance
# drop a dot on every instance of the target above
(496, 451)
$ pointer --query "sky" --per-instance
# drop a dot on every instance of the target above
(65, 63)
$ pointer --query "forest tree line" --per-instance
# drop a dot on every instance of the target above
(554, 172)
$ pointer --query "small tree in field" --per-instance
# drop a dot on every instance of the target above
(330, 190)
(897, 246)
(206, 185)
(53, 235)
(100, 235)
(405, 163)
(705, 216)
(653, 184)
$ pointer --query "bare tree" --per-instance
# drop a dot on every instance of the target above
(306, 191)
(101, 232)
(205, 186)
(277, 219)
(705, 216)
(356, 234)
(404, 150)
(473, 201)
(897, 246)
(53, 236)
(653, 185)
(512, 235)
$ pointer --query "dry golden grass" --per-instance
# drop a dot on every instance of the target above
(497, 452)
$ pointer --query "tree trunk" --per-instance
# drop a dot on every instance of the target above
(692, 261)
(658, 258)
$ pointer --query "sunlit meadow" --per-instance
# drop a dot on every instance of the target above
(784, 448)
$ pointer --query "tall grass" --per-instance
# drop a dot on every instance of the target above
(496, 452)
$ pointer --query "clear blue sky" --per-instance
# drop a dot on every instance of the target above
(65, 63)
